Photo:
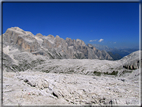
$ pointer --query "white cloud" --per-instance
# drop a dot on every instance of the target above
(114, 42)
(100, 40)
(92, 40)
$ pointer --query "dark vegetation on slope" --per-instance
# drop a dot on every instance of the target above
(115, 56)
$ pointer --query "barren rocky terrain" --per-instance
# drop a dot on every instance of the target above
(71, 82)
(38, 88)
(37, 79)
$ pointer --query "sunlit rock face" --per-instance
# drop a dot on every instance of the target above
(53, 47)
(24, 41)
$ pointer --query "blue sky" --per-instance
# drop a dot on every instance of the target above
(111, 24)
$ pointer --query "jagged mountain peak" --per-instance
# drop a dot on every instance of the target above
(39, 35)
(57, 36)
(68, 38)
(17, 28)
(80, 42)
(51, 36)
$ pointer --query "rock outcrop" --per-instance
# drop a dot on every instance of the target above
(132, 61)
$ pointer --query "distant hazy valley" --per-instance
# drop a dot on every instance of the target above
(48, 70)
(116, 53)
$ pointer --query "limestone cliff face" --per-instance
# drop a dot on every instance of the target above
(24, 41)
(53, 47)
(47, 44)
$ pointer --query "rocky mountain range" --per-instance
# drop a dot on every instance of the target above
(50, 46)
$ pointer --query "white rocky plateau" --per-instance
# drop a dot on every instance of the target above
(68, 84)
